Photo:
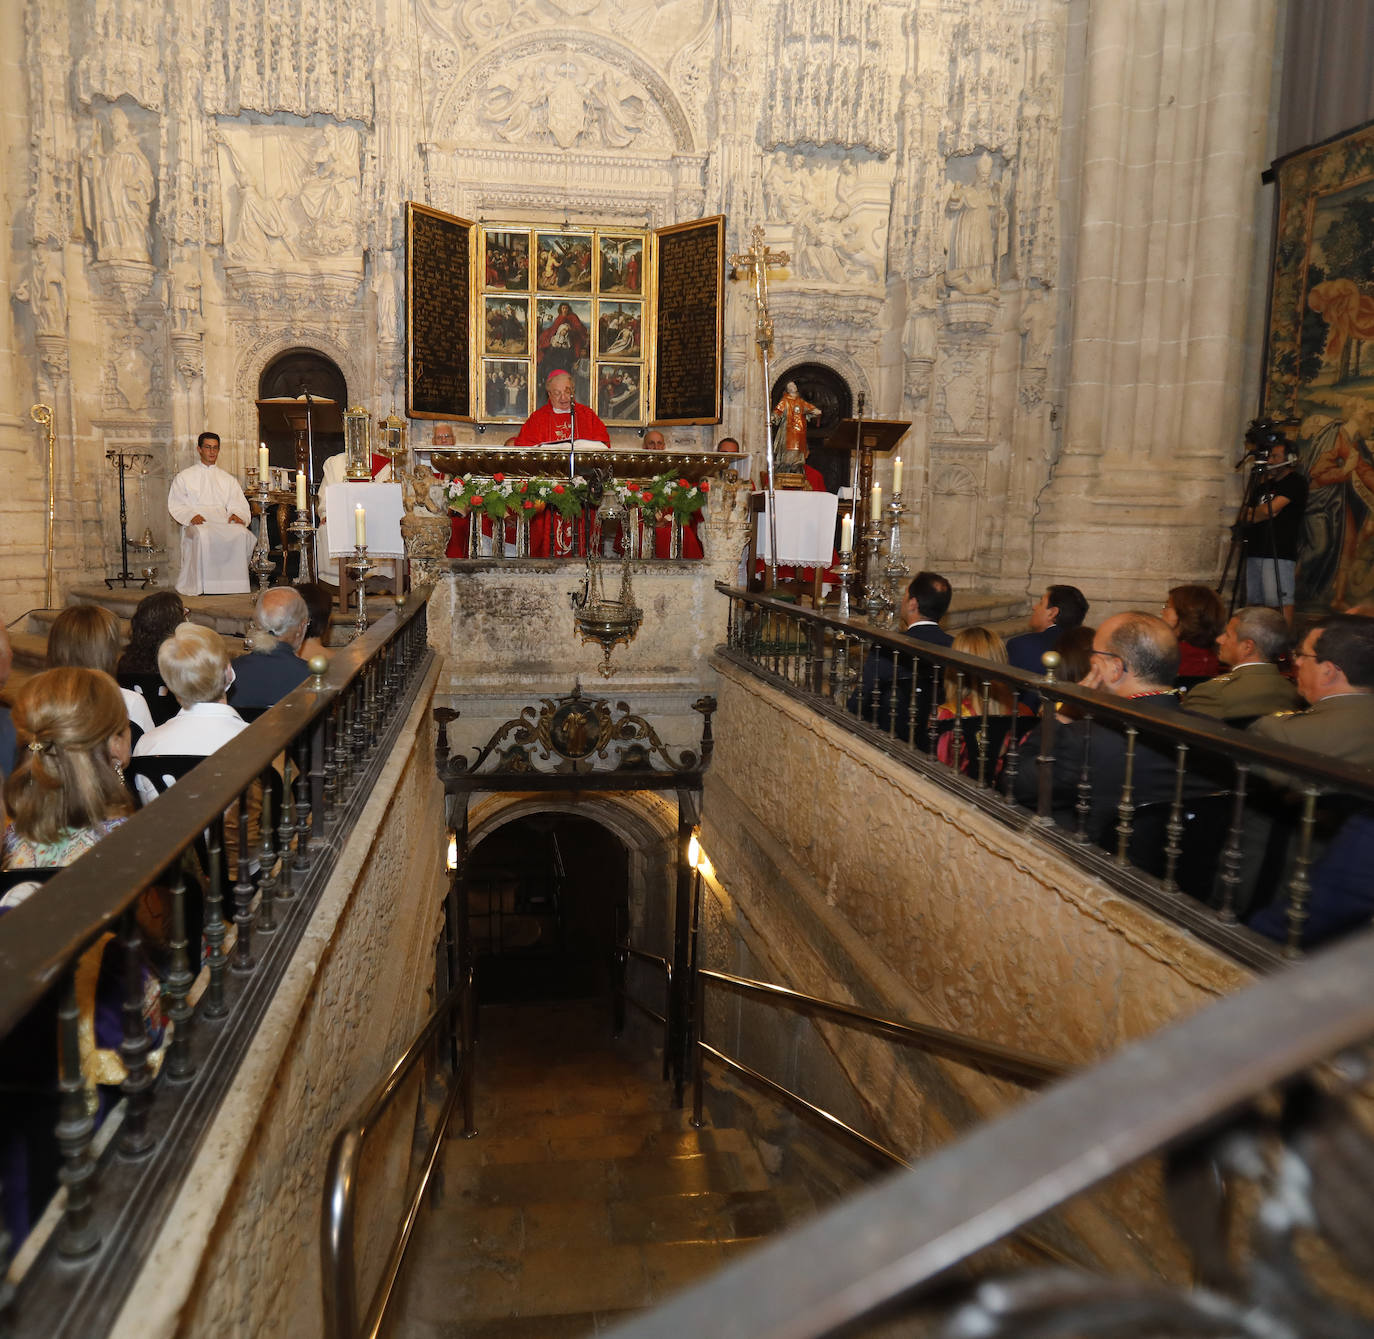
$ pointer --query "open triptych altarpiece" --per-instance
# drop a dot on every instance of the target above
(635, 315)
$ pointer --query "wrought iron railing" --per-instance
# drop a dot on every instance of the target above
(1253, 1102)
(622, 996)
(1227, 811)
(331, 737)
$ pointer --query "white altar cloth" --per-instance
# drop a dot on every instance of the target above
(806, 528)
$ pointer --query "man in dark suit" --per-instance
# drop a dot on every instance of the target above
(272, 668)
(888, 677)
(1061, 609)
(1134, 657)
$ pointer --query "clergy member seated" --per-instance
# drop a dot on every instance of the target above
(213, 514)
(272, 668)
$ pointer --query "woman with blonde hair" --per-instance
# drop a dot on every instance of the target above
(986, 645)
(86, 636)
(67, 789)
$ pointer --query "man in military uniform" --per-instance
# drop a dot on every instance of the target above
(1253, 641)
(1336, 676)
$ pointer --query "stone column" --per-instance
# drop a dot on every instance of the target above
(1172, 138)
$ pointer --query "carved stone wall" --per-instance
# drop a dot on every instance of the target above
(204, 181)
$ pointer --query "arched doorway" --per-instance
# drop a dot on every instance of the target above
(288, 375)
(546, 892)
(825, 388)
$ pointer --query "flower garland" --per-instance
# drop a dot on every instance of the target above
(497, 497)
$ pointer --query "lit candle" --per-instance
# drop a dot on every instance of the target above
(300, 490)
(262, 462)
(846, 534)
(360, 526)
(897, 475)
(875, 503)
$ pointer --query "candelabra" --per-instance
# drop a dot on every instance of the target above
(358, 567)
(262, 565)
(895, 571)
(845, 572)
(303, 533)
(121, 460)
(875, 602)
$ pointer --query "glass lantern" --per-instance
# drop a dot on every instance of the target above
(357, 424)
(391, 440)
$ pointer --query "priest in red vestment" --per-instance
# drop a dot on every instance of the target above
(554, 421)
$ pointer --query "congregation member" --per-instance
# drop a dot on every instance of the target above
(6, 719)
(195, 666)
(1059, 610)
(273, 667)
(1335, 672)
(320, 604)
(1250, 646)
(87, 636)
(1197, 617)
(887, 682)
(155, 619)
(956, 744)
(1134, 658)
(213, 513)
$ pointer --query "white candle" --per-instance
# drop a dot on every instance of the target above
(360, 526)
(300, 490)
(846, 534)
(262, 463)
(875, 503)
(897, 475)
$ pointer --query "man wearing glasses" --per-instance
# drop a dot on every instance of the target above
(1134, 657)
(1335, 666)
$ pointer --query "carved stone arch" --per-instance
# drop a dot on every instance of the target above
(455, 110)
(265, 346)
(839, 361)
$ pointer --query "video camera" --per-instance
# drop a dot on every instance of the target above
(1261, 437)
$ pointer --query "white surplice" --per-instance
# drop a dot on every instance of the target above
(214, 554)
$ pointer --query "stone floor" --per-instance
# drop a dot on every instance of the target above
(584, 1197)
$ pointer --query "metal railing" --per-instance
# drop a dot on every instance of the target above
(1201, 1087)
(337, 1246)
(621, 996)
(1175, 821)
(332, 736)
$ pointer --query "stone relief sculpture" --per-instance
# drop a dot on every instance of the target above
(564, 101)
(46, 293)
(1037, 325)
(838, 226)
(288, 199)
(978, 231)
(117, 192)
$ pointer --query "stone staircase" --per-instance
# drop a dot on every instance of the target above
(584, 1197)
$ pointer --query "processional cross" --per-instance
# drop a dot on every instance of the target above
(755, 263)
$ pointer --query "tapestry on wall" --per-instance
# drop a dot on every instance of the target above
(1320, 366)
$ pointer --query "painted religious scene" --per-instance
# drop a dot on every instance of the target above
(1321, 362)
(585, 315)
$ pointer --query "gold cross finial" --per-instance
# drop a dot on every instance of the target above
(756, 262)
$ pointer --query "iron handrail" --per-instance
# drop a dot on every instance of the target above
(914, 1226)
(44, 934)
(338, 1264)
(1005, 1062)
(1330, 774)
(664, 1018)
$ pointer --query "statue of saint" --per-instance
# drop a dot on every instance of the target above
(978, 232)
(119, 191)
(789, 441)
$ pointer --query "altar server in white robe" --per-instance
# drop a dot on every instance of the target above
(213, 514)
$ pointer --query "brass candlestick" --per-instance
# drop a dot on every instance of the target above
(875, 602)
(304, 535)
(895, 570)
(261, 565)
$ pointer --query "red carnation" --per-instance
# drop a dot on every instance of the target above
(705, 485)
(558, 488)
(529, 506)
(476, 499)
(648, 497)
(525, 487)
(498, 478)
(684, 483)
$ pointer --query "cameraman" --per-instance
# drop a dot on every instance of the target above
(1270, 525)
